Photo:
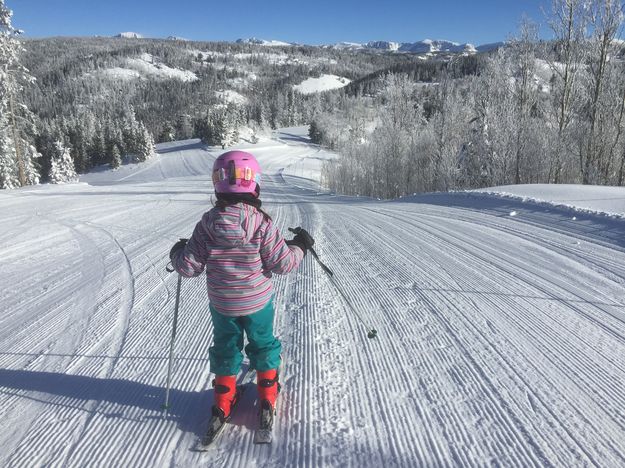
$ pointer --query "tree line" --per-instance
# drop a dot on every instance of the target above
(64, 86)
(532, 112)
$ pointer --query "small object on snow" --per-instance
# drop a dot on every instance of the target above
(513, 213)
(372, 333)
(574, 218)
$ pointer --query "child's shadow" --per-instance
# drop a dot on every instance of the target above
(190, 409)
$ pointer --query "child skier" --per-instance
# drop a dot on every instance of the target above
(240, 247)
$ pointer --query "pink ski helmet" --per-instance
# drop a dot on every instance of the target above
(236, 172)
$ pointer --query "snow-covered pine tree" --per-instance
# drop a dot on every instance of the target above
(145, 144)
(62, 170)
(8, 169)
(315, 133)
(31, 168)
(131, 132)
(16, 121)
(183, 128)
(97, 151)
(116, 157)
(168, 133)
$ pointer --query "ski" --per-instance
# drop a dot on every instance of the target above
(266, 415)
(264, 434)
(217, 423)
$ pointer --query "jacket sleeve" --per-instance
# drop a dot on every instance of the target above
(191, 260)
(278, 257)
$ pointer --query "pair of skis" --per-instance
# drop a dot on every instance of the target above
(216, 425)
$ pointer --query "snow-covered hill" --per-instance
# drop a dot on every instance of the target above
(322, 83)
(501, 325)
(146, 66)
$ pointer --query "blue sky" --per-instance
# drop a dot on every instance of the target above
(310, 22)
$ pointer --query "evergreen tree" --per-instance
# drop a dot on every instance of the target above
(145, 144)
(314, 132)
(183, 128)
(168, 133)
(31, 168)
(62, 170)
(116, 158)
(97, 150)
(8, 169)
(16, 121)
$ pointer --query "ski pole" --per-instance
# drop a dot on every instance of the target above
(171, 346)
(371, 333)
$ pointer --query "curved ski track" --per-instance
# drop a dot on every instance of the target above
(501, 341)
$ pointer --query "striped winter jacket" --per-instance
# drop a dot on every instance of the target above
(240, 250)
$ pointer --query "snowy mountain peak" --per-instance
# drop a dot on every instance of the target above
(345, 45)
(130, 35)
(263, 42)
(383, 45)
(426, 46)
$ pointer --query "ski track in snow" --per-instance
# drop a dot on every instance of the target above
(501, 340)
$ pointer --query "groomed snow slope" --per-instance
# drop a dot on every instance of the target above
(501, 338)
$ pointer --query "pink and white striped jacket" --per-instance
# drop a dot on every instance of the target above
(240, 250)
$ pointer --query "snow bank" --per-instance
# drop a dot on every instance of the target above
(323, 83)
(602, 200)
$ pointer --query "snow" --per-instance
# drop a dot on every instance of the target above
(323, 83)
(231, 96)
(263, 42)
(501, 339)
(426, 46)
(119, 73)
(609, 201)
(147, 66)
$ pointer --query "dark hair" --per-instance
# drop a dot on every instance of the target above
(228, 199)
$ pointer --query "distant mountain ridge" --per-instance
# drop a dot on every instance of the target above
(426, 46)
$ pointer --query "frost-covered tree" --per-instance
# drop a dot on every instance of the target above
(9, 177)
(62, 170)
(606, 18)
(145, 144)
(184, 127)
(167, 133)
(16, 121)
(314, 132)
(525, 93)
(116, 158)
(568, 22)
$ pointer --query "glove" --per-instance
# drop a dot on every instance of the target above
(302, 239)
(177, 246)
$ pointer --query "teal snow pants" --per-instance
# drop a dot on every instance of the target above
(263, 349)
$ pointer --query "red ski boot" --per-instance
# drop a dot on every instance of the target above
(268, 386)
(225, 395)
(268, 389)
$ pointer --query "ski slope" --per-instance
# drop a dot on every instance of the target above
(501, 326)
